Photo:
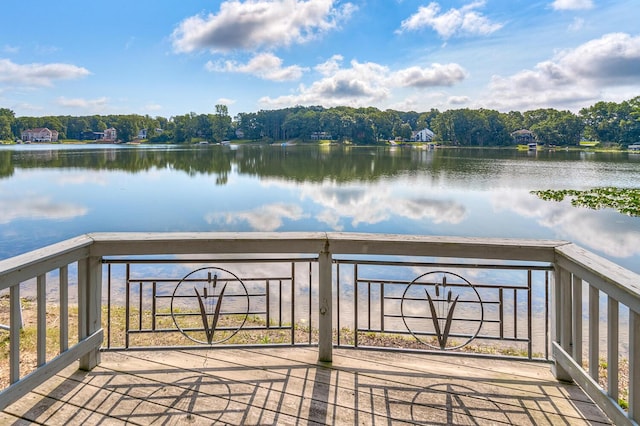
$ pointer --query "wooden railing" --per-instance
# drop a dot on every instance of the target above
(576, 269)
(53, 261)
(79, 260)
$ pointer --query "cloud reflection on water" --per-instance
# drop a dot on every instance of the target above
(371, 205)
(37, 207)
(349, 203)
(268, 217)
(605, 231)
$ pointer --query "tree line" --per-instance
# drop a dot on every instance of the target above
(605, 122)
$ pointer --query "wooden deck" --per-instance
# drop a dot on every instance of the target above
(288, 386)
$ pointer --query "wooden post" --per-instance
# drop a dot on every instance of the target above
(41, 332)
(613, 318)
(325, 302)
(14, 333)
(594, 332)
(576, 309)
(89, 309)
(64, 308)
(634, 366)
(562, 318)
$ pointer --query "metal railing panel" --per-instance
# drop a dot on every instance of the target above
(160, 303)
(436, 308)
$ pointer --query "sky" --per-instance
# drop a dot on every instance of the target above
(170, 57)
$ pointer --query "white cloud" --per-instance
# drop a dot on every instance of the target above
(99, 104)
(130, 42)
(46, 50)
(25, 106)
(576, 25)
(458, 100)
(364, 84)
(612, 59)
(264, 218)
(436, 75)
(331, 66)
(38, 75)
(225, 101)
(264, 65)
(7, 48)
(573, 77)
(259, 23)
(572, 4)
(454, 22)
(148, 107)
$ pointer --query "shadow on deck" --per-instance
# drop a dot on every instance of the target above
(288, 386)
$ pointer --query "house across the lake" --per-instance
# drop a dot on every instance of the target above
(424, 135)
(40, 134)
(109, 135)
(523, 136)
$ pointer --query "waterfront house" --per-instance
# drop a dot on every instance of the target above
(40, 134)
(523, 136)
(110, 134)
(424, 135)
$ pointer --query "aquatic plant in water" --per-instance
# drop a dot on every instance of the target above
(624, 200)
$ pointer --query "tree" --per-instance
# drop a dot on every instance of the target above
(613, 122)
(402, 131)
(7, 117)
(249, 125)
(220, 123)
(513, 120)
(425, 119)
(554, 127)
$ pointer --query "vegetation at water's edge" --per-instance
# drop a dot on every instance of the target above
(624, 200)
(605, 123)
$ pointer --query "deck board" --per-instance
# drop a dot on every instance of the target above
(288, 386)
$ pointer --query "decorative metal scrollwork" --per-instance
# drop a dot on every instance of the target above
(210, 305)
(442, 306)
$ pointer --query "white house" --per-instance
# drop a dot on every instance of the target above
(424, 135)
(40, 134)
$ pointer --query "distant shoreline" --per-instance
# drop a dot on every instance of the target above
(591, 147)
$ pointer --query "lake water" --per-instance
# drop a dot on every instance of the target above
(52, 192)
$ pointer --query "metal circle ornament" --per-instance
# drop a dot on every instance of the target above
(442, 310)
(210, 305)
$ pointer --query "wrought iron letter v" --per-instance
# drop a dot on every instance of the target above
(209, 330)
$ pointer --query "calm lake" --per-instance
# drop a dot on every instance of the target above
(52, 192)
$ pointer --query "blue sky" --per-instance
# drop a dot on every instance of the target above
(165, 58)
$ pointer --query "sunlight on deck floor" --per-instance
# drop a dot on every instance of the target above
(288, 386)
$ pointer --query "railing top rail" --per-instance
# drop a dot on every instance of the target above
(616, 281)
(135, 243)
(28, 265)
(456, 247)
(316, 242)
